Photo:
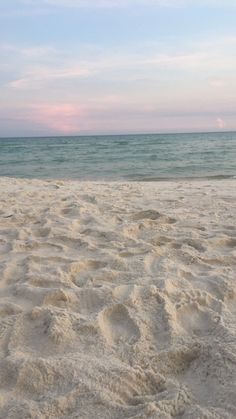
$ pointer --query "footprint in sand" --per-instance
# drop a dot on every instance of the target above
(42, 232)
(70, 211)
(153, 215)
(116, 325)
(229, 297)
(60, 298)
(92, 300)
(36, 378)
(195, 244)
(83, 267)
(126, 293)
(196, 319)
(136, 386)
(89, 265)
(4, 247)
(8, 308)
(227, 242)
(15, 271)
(41, 330)
(70, 242)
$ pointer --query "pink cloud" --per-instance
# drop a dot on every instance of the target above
(217, 82)
(220, 123)
(62, 118)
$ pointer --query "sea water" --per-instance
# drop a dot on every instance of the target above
(121, 157)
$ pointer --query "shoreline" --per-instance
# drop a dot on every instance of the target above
(123, 180)
(117, 299)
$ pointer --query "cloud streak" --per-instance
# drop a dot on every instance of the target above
(41, 6)
(126, 3)
(116, 66)
(44, 76)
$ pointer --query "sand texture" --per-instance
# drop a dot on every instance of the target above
(117, 300)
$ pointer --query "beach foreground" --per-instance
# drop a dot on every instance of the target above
(118, 300)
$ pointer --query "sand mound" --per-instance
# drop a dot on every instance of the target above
(117, 301)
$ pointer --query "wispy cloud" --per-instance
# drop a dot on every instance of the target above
(41, 76)
(21, 7)
(126, 3)
(29, 52)
(115, 66)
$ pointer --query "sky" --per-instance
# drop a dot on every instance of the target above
(81, 67)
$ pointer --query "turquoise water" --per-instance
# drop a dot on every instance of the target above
(124, 157)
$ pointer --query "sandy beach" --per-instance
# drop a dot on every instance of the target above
(117, 300)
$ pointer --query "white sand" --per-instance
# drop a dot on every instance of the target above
(117, 300)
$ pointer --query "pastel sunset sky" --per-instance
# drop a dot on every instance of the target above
(73, 67)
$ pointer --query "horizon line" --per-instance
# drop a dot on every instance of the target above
(117, 135)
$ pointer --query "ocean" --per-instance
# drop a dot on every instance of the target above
(121, 157)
